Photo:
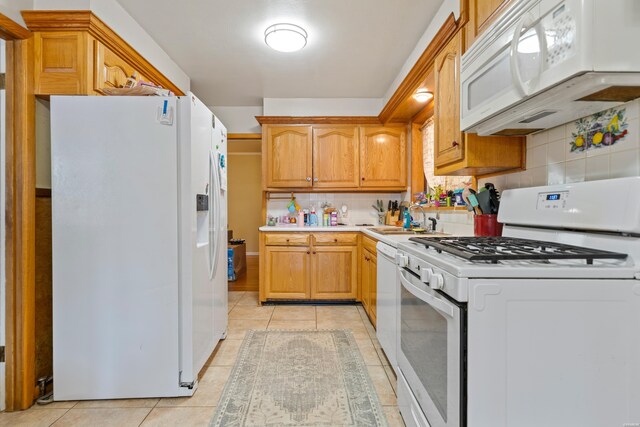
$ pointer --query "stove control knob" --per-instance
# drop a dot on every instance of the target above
(402, 260)
(437, 281)
(425, 274)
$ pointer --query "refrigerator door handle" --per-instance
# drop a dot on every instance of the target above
(214, 213)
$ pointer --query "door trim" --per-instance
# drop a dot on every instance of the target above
(20, 216)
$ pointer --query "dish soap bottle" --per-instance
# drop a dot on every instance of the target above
(313, 218)
(406, 221)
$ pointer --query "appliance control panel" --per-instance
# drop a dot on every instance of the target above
(553, 200)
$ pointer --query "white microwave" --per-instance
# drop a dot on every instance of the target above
(547, 62)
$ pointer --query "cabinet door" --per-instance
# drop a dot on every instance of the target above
(110, 70)
(482, 13)
(449, 143)
(60, 63)
(364, 279)
(289, 154)
(373, 288)
(335, 272)
(335, 157)
(383, 159)
(287, 272)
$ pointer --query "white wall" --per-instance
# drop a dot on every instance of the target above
(126, 27)
(12, 8)
(239, 119)
(322, 106)
(447, 8)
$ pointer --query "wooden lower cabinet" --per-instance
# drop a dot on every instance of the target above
(334, 272)
(308, 266)
(369, 277)
(365, 279)
(286, 272)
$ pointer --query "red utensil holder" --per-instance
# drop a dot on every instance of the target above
(486, 225)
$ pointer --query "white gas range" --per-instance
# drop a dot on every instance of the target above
(540, 327)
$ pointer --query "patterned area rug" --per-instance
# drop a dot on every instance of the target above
(299, 378)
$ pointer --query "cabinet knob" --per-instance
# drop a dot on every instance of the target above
(314, 252)
(308, 178)
(308, 252)
(287, 240)
(454, 144)
(315, 179)
(363, 178)
(335, 240)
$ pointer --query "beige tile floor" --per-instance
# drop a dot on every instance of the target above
(244, 314)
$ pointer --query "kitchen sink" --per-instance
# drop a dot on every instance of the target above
(401, 231)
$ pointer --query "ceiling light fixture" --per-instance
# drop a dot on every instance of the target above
(285, 37)
(422, 95)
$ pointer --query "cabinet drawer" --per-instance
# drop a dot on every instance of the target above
(321, 239)
(286, 239)
(369, 243)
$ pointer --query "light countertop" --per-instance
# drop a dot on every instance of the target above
(337, 228)
(390, 239)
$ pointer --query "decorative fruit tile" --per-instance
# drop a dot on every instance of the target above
(603, 129)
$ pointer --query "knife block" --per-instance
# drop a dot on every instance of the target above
(392, 219)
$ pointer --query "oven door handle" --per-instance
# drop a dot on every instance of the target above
(434, 302)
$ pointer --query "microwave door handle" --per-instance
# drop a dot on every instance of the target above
(425, 296)
(515, 68)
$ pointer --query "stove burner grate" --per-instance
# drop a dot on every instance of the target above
(496, 249)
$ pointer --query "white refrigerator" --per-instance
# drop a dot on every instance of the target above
(139, 212)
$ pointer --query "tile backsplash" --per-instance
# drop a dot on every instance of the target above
(358, 204)
(458, 221)
(604, 145)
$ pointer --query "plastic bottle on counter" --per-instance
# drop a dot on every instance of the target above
(334, 218)
(406, 222)
(325, 219)
(300, 218)
(313, 218)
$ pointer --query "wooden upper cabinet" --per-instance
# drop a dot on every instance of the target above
(383, 157)
(449, 141)
(60, 63)
(288, 157)
(456, 152)
(336, 157)
(75, 53)
(110, 70)
(482, 13)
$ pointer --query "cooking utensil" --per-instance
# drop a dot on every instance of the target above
(494, 200)
(473, 201)
(484, 201)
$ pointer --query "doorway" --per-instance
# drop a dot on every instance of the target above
(245, 204)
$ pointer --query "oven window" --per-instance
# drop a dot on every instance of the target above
(423, 339)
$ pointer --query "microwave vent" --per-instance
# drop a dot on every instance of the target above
(614, 94)
(537, 116)
(516, 132)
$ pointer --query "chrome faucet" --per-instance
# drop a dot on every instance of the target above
(424, 213)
